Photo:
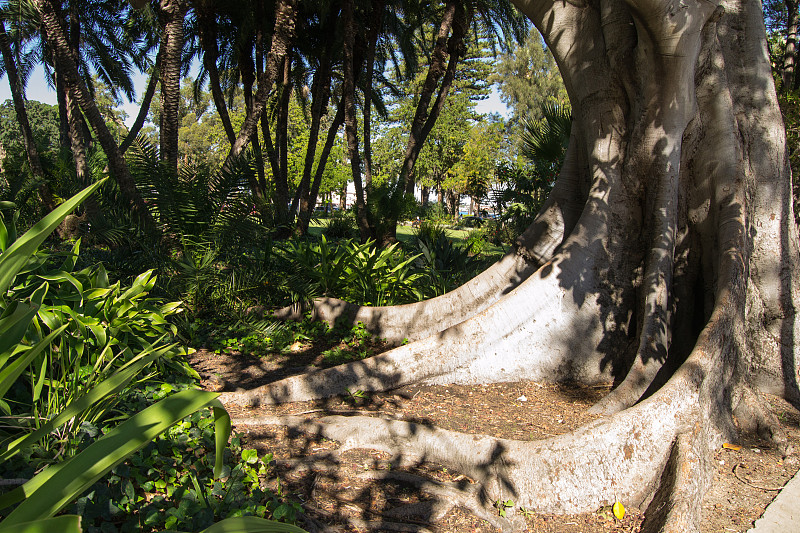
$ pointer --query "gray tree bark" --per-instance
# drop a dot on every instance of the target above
(666, 260)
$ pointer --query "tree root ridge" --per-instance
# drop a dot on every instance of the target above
(418, 320)
(687, 476)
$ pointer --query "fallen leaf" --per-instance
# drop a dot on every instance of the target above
(619, 510)
(729, 446)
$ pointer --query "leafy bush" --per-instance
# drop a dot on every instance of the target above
(476, 241)
(27, 351)
(430, 231)
(341, 225)
(358, 273)
(446, 265)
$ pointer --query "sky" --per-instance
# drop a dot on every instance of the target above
(37, 89)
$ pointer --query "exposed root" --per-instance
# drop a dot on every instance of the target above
(676, 506)
(448, 495)
(421, 319)
(369, 525)
(755, 417)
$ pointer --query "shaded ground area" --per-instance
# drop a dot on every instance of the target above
(361, 490)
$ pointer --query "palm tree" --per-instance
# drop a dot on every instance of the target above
(206, 13)
(282, 38)
(18, 95)
(171, 15)
(67, 62)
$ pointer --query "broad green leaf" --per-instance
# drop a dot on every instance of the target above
(251, 524)
(69, 523)
(13, 327)
(57, 485)
(222, 430)
(16, 256)
(10, 373)
(65, 276)
(69, 262)
(3, 236)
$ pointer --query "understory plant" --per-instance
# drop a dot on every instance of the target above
(48, 350)
(358, 273)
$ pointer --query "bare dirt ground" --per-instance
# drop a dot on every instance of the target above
(361, 490)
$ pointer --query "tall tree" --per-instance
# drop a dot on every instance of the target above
(76, 88)
(350, 120)
(18, 96)
(171, 14)
(657, 263)
(528, 78)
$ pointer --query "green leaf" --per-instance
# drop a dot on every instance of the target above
(113, 384)
(57, 485)
(13, 327)
(11, 372)
(3, 236)
(62, 524)
(16, 256)
(251, 524)
(222, 430)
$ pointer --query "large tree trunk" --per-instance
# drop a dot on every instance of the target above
(676, 277)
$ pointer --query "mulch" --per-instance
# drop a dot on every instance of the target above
(361, 490)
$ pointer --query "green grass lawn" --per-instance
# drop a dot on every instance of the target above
(406, 234)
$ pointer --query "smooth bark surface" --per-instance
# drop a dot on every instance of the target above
(665, 260)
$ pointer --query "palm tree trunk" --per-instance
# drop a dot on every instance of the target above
(372, 40)
(76, 88)
(282, 129)
(208, 40)
(350, 123)
(305, 218)
(18, 96)
(320, 93)
(416, 138)
(790, 54)
(258, 182)
(172, 13)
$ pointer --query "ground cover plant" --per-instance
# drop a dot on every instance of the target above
(67, 356)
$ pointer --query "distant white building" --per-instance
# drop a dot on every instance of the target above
(350, 198)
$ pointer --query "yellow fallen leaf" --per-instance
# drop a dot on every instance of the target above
(729, 446)
(619, 510)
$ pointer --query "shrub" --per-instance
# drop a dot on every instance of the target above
(341, 225)
(359, 273)
(429, 231)
(29, 329)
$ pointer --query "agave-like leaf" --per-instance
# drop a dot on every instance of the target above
(17, 254)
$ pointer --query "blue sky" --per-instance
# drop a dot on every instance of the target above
(38, 89)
